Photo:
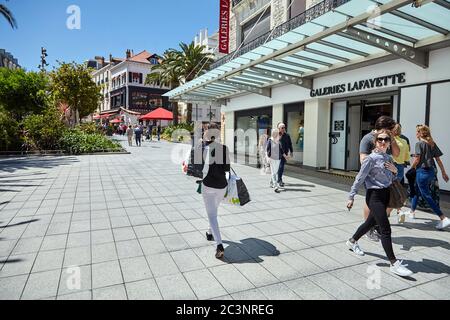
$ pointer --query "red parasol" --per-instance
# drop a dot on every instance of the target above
(158, 114)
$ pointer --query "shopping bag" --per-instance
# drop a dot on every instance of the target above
(237, 193)
(231, 196)
(398, 195)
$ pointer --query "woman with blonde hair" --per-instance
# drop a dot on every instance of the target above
(274, 153)
(427, 153)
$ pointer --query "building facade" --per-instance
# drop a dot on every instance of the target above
(8, 61)
(123, 83)
(330, 73)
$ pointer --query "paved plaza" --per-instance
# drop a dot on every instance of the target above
(134, 227)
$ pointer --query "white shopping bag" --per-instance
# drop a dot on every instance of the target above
(232, 196)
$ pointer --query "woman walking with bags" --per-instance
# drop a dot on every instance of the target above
(216, 164)
(378, 173)
(426, 152)
(274, 154)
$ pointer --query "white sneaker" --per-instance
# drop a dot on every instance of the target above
(355, 248)
(272, 185)
(400, 269)
(443, 224)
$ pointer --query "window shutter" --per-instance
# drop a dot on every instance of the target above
(130, 77)
(140, 78)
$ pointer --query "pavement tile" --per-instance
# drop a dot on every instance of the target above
(54, 242)
(144, 231)
(162, 265)
(104, 252)
(256, 274)
(102, 236)
(337, 288)
(143, 290)
(106, 274)
(129, 249)
(308, 290)
(231, 279)
(117, 292)
(48, 260)
(78, 256)
(134, 269)
(279, 291)
(252, 295)
(187, 260)
(41, 285)
(175, 287)
(152, 246)
(79, 296)
(12, 287)
(79, 239)
(204, 284)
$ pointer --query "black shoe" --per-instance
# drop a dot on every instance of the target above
(282, 184)
(220, 252)
(209, 237)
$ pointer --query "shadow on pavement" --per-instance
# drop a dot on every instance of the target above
(12, 165)
(293, 190)
(11, 261)
(300, 185)
(19, 224)
(249, 251)
(410, 242)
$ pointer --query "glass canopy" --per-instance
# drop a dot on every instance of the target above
(331, 35)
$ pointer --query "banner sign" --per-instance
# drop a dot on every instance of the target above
(224, 26)
(373, 83)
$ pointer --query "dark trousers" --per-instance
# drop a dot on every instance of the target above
(377, 200)
(281, 169)
(138, 140)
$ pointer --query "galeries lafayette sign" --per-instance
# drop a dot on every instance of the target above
(224, 26)
(372, 83)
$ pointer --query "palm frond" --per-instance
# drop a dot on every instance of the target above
(5, 12)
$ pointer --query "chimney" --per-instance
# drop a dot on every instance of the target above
(128, 54)
(110, 58)
(132, 53)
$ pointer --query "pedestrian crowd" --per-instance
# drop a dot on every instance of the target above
(385, 155)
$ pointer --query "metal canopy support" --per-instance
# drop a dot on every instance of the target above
(411, 54)
(236, 79)
(267, 92)
(192, 98)
(443, 3)
(322, 63)
(326, 54)
(306, 83)
(295, 64)
(250, 77)
(273, 66)
(343, 48)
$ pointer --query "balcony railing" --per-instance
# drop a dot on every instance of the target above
(236, 2)
(310, 14)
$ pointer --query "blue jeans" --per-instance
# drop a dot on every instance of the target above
(401, 172)
(423, 179)
(281, 169)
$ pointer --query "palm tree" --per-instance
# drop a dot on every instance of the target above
(167, 74)
(192, 61)
(4, 11)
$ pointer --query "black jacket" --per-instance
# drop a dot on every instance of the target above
(219, 165)
(286, 144)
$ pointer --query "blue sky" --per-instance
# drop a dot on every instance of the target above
(107, 26)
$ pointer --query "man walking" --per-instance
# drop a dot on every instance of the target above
(287, 149)
(150, 131)
(138, 135)
(159, 132)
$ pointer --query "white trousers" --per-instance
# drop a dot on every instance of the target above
(274, 166)
(212, 198)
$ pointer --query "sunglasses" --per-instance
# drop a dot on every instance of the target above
(384, 139)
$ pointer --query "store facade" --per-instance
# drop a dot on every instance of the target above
(328, 78)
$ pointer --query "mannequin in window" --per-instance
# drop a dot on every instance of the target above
(301, 134)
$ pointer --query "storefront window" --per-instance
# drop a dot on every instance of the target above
(294, 117)
(250, 126)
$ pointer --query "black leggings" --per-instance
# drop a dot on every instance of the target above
(377, 200)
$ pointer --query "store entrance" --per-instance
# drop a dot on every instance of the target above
(357, 117)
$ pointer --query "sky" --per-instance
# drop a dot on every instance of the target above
(106, 26)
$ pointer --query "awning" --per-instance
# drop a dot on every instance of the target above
(332, 36)
(158, 114)
(116, 121)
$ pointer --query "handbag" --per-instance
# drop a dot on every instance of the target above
(199, 189)
(398, 195)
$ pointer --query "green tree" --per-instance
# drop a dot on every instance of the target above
(167, 74)
(9, 139)
(23, 93)
(7, 14)
(72, 84)
(193, 61)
